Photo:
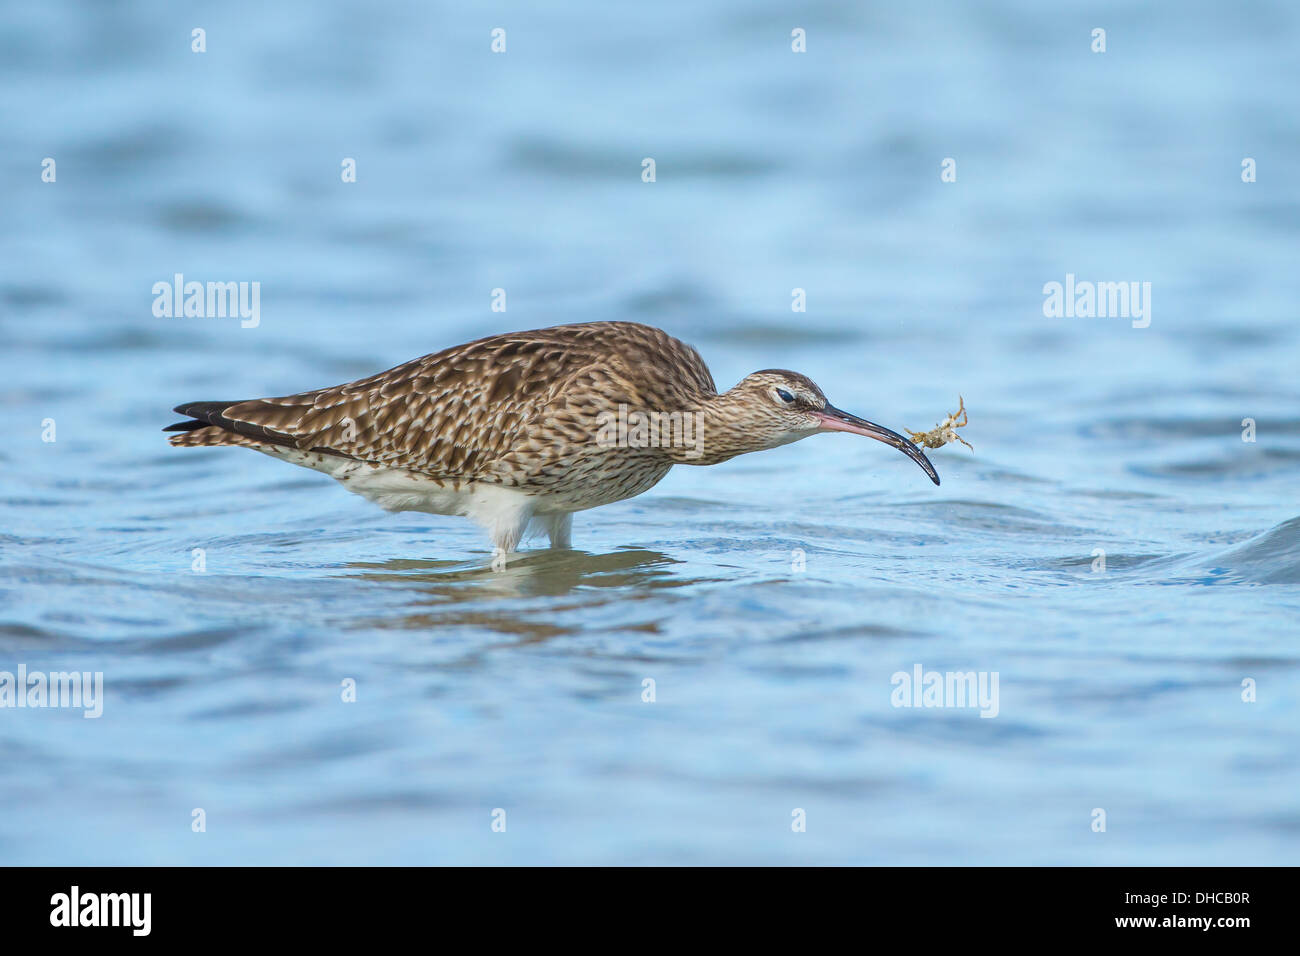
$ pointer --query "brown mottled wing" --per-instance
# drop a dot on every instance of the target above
(457, 412)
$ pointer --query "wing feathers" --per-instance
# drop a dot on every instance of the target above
(459, 412)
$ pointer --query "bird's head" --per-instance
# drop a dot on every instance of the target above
(776, 406)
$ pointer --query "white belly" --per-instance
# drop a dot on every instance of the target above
(505, 512)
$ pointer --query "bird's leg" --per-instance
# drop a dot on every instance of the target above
(560, 530)
(507, 528)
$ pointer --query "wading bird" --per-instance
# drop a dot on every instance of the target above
(519, 431)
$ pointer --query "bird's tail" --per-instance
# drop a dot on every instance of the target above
(208, 426)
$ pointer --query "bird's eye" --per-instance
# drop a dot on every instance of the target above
(784, 396)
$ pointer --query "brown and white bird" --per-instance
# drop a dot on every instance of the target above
(518, 431)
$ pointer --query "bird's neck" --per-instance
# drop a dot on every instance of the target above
(706, 428)
(716, 437)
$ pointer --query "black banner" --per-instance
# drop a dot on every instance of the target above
(332, 905)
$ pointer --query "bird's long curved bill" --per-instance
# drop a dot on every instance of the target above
(835, 420)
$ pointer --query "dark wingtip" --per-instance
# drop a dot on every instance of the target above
(202, 409)
(203, 413)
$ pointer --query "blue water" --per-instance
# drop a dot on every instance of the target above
(1120, 689)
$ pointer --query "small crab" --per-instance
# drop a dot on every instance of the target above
(945, 431)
